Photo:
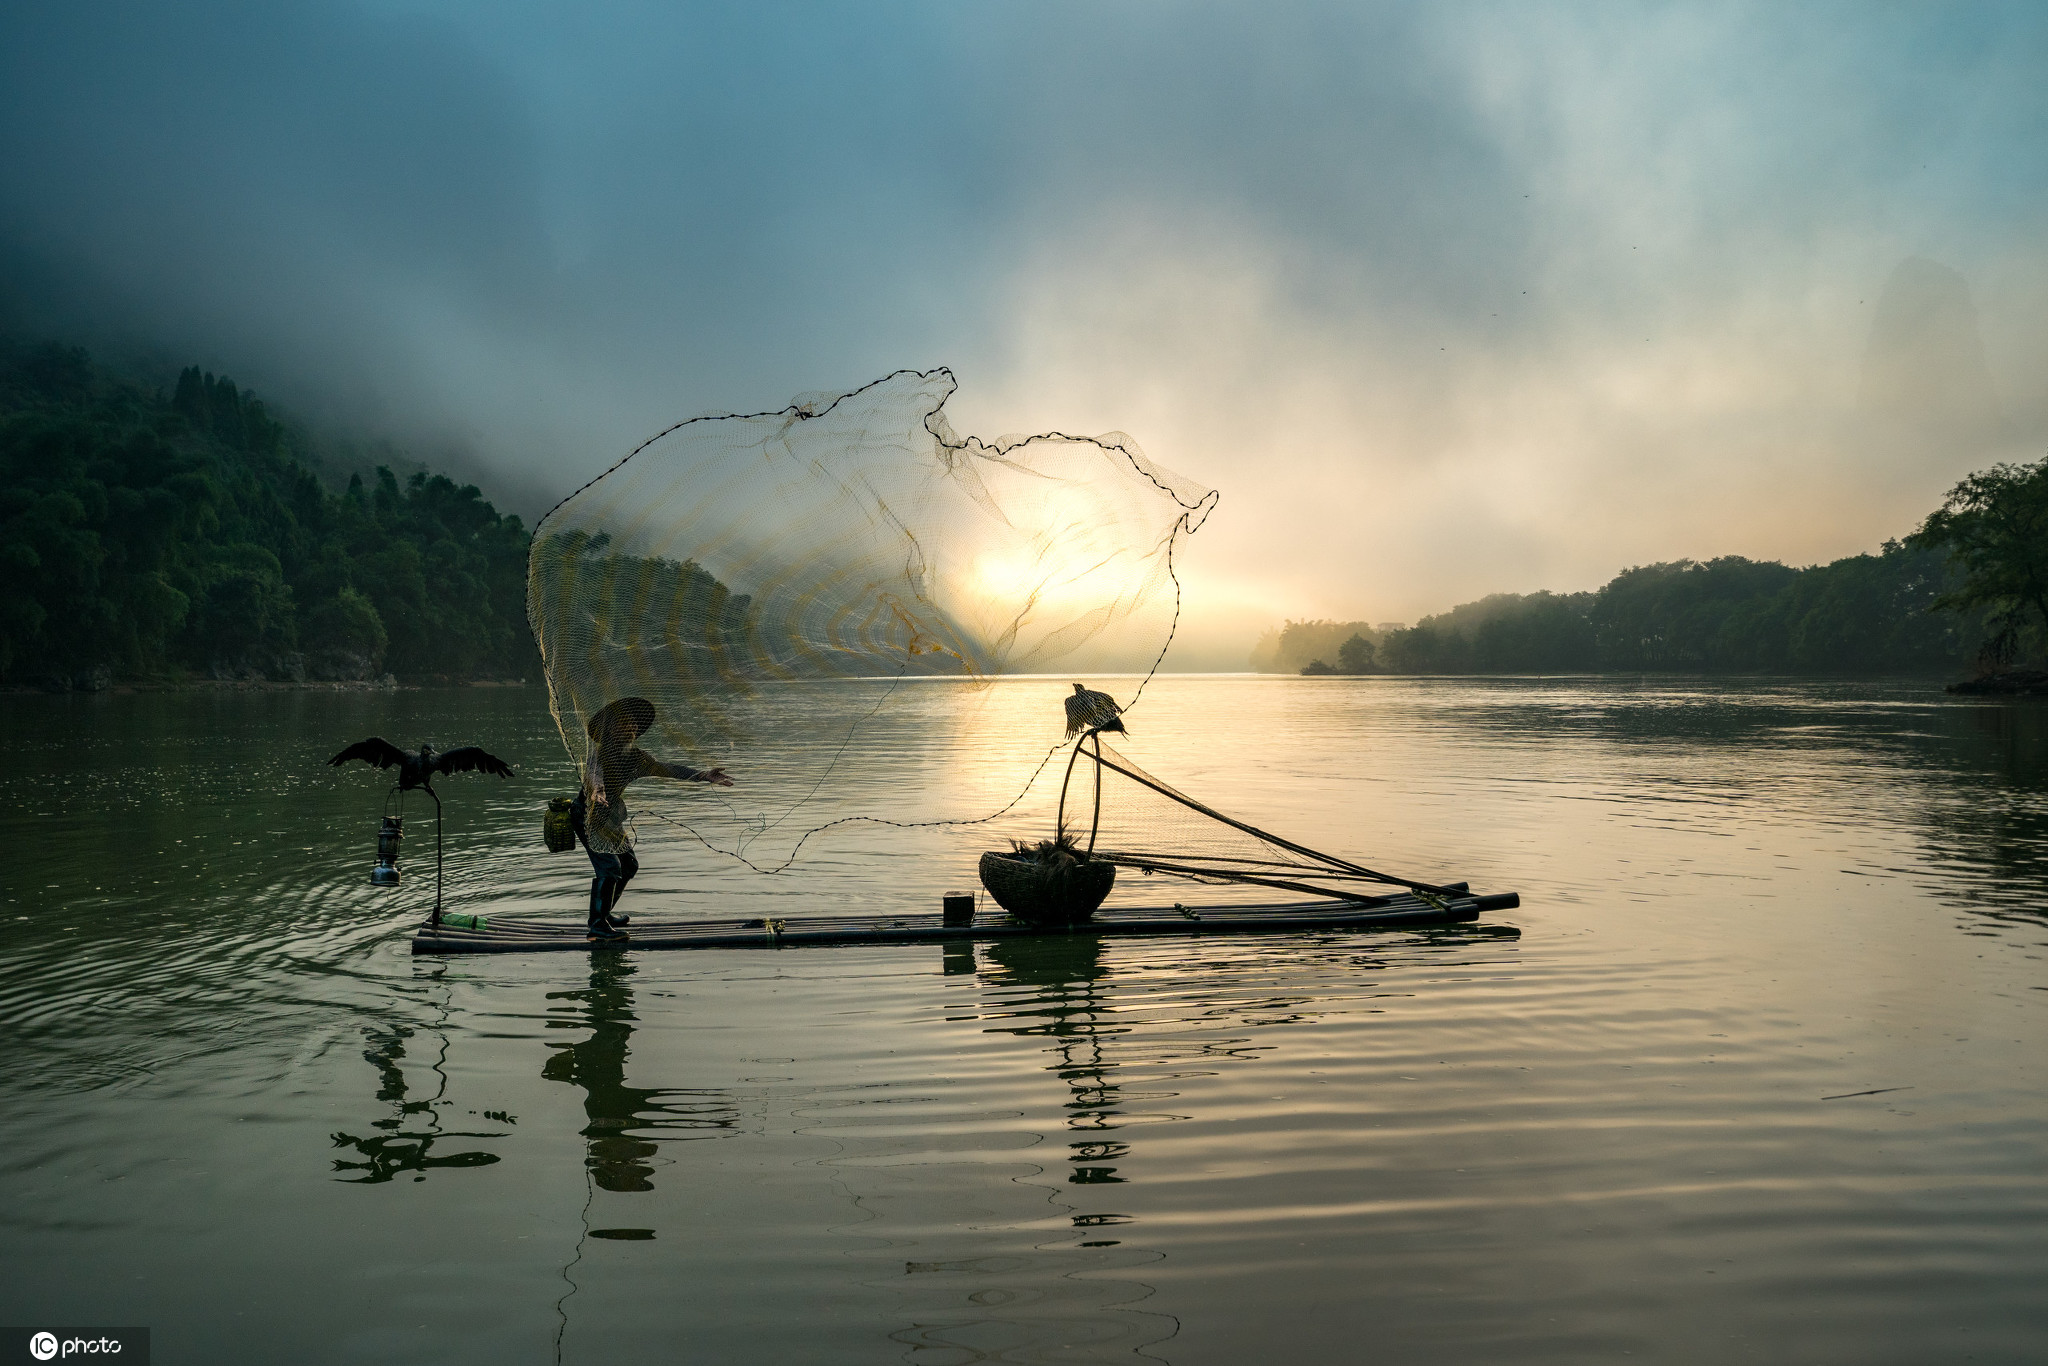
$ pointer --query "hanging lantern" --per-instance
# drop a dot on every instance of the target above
(385, 874)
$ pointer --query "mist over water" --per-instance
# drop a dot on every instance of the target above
(1598, 1125)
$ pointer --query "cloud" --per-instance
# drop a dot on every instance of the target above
(278, 172)
(1446, 299)
(1655, 354)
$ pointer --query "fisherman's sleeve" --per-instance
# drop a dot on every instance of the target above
(647, 766)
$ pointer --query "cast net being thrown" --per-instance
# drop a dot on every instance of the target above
(733, 569)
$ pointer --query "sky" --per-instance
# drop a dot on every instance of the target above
(1446, 299)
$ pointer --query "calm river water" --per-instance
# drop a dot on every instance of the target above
(1618, 1123)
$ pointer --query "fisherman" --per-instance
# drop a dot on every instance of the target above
(599, 815)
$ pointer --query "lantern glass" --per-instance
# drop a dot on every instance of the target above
(385, 874)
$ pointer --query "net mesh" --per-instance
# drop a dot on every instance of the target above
(730, 564)
(1116, 811)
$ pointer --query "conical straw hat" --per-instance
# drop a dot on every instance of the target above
(636, 713)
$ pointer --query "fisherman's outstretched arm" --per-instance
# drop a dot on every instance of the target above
(651, 767)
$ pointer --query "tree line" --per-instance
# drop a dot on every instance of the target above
(147, 534)
(1969, 588)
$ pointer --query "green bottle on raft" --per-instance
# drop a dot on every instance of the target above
(463, 922)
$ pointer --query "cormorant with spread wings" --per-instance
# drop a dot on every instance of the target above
(416, 773)
(418, 770)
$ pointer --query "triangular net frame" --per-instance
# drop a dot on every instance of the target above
(1116, 812)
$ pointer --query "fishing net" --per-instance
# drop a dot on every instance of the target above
(785, 587)
(1116, 812)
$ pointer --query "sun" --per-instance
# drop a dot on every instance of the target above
(1007, 577)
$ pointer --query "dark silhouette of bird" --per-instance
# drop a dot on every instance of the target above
(418, 770)
(1088, 710)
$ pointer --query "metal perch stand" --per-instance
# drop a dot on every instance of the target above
(433, 918)
(1059, 824)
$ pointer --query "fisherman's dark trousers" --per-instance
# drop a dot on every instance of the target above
(613, 871)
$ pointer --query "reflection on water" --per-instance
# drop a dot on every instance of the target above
(406, 1138)
(1987, 842)
(1066, 1012)
(624, 1121)
(1731, 1084)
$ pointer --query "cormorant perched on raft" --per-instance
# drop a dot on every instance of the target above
(1088, 710)
(418, 770)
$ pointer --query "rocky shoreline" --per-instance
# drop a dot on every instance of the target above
(2016, 683)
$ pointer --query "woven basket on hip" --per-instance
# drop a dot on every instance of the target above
(1060, 893)
(558, 827)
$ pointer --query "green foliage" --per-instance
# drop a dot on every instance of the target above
(147, 536)
(1993, 528)
(1865, 614)
(1295, 644)
(1427, 648)
(1689, 616)
(1356, 656)
(347, 625)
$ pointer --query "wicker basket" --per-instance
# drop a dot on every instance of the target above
(1046, 894)
(558, 826)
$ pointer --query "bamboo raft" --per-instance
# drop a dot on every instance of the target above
(1404, 911)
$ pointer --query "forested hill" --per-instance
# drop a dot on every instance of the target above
(153, 535)
(1864, 614)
